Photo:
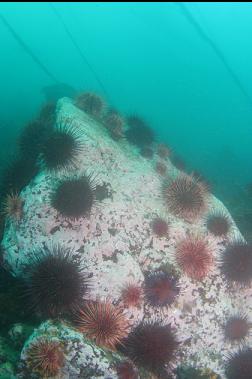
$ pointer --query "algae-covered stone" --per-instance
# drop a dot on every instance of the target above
(82, 359)
(185, 372)
(7, 371)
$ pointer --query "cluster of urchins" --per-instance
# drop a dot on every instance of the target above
(57, 288)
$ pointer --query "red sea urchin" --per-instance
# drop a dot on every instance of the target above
(239, 364)
(161, 289)
(186, 197)
(102, 322)
(131, 295)
(237, 328)
(151, 345)
(90, 103)
(163, 151)
(159, 227)
(113, 120)
(218, 224)
(161, 168)
(126, 370)
(194, 256)
(55, 284)
(236, 263)
(74, 197)
(13, 207)
(45, 358)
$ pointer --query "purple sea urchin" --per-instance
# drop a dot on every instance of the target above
(218, 224)
(185, 197)
(236, 263)
(17, 175)
(75, 197)
(61, 147)
(151, 345)
(161, 289)
(237, 328)
(55, 284)
(239, 364)
(32, 138)
(147, 152)
(47, 114)
(139, 133)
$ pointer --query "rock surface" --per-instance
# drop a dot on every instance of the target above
(117, 246)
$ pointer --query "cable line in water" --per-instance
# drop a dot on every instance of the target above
(215, 48)
(27, 49)
(80, 52)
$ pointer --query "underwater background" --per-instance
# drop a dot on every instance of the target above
(185, 68)
(151, 59)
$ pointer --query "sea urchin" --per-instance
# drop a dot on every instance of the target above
(239, 364)
(194, 256)
(45, 358)
(139, 133)
(159, 227)
(74, 197)
(13, 207)
(102, 322)
(161, 289)
(236, 263)
(185, 197)
(218, 224)
(126, 370)
(131, 295)
(151, 345)
(237, 328)
(61, 147)
(90, 103)
(55, 284)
